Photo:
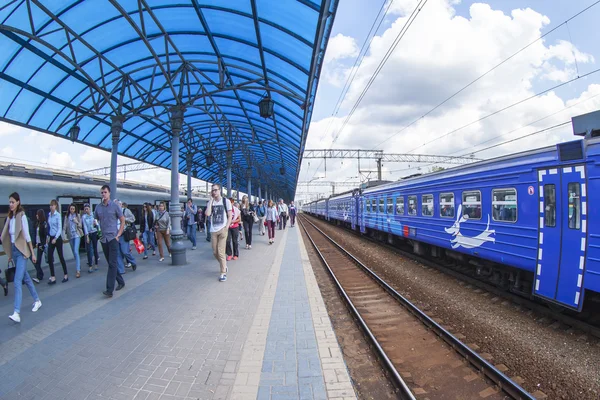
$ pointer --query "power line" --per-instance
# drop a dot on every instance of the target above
(359, 60)
(487, 72)
(382, 63)
(504, 109)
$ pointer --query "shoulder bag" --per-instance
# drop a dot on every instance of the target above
(9, 272)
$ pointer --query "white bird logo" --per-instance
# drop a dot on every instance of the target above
(465, 241)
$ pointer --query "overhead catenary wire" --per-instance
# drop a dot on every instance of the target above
(380, 66)
(486, 73)
(359, 59)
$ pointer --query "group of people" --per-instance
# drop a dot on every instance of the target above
(112, 224)
(224, 218)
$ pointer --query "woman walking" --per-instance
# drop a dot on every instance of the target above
(39, 242)
(163, 230)
(261, 212)
(55, 241)
(147, 229)
(73, 231)
(272, 219)
(16, 232)
(247, 211)
(90, 230)
(232, 248)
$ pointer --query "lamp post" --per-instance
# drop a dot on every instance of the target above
(177, 235)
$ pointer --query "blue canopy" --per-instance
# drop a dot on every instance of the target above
(68, 63)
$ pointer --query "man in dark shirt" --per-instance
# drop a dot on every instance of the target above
(108, 213)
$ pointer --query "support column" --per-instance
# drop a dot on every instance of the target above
(250, 190)
(229, 161)
(177, 235)
(115, 128)
(188, 162)
(259, 193)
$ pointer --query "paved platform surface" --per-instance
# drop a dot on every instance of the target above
(178, 333)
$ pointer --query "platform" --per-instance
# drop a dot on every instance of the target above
(178, 333)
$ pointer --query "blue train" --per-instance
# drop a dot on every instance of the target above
(525, 221)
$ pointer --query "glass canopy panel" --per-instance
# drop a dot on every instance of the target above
(292, 14)
(288, 46)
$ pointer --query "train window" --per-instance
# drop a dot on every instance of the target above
(504, 205)
(390, 205)
(427, 205)
(549, 205)
(574, 190)
(447, 205)
(412, 205)
(400, 205)
(382, 205)
(368, 203)
(471, 204)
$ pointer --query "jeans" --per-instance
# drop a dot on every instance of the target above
(218, 245)
(271, 229)
(59, 249)
(111, 251)
(126, 251)
(147, 239)
(191, 233)
(248, 231)
(232, 247)
(293, 219)
(261, 225)
(92, 248)
(21, 276)
(75, 242)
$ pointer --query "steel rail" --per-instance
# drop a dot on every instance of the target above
(406, 392)
(504, 382)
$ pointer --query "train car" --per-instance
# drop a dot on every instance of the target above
(521, 220)
(37, 186)
(321, 209)
(343, 208)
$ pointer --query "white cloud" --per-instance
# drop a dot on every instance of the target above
(339, 49)
(7, 151)
(60, 160)
(439, 55)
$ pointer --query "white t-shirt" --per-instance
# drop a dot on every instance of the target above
(218, 216)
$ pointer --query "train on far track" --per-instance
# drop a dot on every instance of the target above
(38, 185)
(528, 222)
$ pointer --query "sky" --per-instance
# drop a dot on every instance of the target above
(449, 44)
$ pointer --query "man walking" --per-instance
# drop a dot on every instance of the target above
(293, 211)
(127, 259)
(218, 212)
(108, 213)
(282, 209)
(190, 215)
(261, 213)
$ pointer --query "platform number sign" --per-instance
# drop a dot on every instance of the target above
(530, 190)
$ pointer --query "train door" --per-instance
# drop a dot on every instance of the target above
(562, 235)
(361, 213)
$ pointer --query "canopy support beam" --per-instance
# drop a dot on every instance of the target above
(177, 235)
(116, 127)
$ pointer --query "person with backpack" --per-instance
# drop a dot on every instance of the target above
(218, 215)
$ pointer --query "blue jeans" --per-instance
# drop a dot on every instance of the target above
(112, 252)
(92, 248)
(126, 252)
(21, 275)
(147, 240)
(74, 242)
(191, 233)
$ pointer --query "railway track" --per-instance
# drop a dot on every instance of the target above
(586, 323)
(423, 359)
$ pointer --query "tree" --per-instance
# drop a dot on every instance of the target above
(436, 169)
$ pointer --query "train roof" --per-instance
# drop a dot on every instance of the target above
(47, 173)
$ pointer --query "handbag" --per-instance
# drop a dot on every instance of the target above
(255, 217)
(265, 223)
(139, 246)
(9, 272)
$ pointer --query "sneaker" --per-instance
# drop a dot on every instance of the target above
(222, 278)
(235, 257)
(169, 254)
(107, 293)
(128, 265)
(145, 257)
(90, 270)
(153, 253)
(36, 306)
(119, 287)
(36, 280)
(193, 247)
(162, 259)
(229, 258)
(249, 247)
(17, 318)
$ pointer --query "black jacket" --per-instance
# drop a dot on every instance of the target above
(43, 233)
(143, 222)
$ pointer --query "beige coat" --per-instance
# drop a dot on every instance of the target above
(67, 227)
(20, 241)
